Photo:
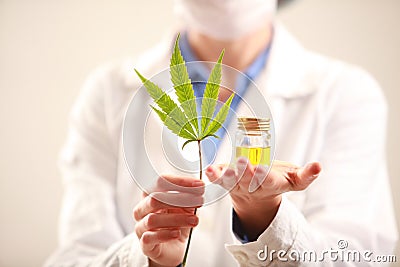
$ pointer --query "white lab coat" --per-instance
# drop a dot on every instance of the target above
(324, 110)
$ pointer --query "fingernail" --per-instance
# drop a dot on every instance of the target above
(241, 165)
(192, 220)
(260, 170)
(229, 173)
(197, 183)
(175, 233)
(242, 161)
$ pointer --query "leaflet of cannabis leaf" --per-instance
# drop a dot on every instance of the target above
(182, 118)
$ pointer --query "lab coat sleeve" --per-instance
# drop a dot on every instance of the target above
(89, 231)
(349, 207)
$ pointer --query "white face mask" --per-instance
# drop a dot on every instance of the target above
(225, 19)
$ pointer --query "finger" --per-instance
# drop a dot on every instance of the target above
(214, 173)
(177, 210)
(177, 199)
(310, 171)
(150, 241)
(245, 171)
(226, 178)
(229, 179)
(160, 200)
(156, 221)
(180, 184)
(305, 176)
(260, 174)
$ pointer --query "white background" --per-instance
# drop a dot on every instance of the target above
(47, 48)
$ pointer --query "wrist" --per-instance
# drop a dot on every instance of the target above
(255, 208)
(154, 264)
(256, 218)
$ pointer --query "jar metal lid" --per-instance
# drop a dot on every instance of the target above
(253, 124)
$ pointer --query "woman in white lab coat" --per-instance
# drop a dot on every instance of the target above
(324, 110)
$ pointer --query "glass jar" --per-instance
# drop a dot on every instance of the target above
(253, 140)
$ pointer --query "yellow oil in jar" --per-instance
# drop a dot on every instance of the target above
(256, 155)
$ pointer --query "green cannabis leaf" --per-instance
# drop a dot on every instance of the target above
(182, 118)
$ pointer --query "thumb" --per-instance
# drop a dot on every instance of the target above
(307, 174)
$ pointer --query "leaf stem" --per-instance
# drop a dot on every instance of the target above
(195, 210)
(201, 164)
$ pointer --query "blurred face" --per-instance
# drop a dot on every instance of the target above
(225, 19)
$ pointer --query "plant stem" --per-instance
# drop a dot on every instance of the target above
(195, 210)
(201, 165)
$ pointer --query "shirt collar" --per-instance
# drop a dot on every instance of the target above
(201, 71)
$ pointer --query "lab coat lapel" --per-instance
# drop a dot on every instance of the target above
(287, 58)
